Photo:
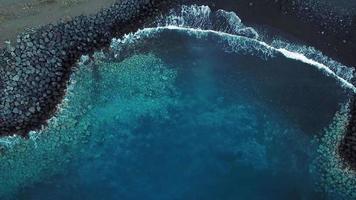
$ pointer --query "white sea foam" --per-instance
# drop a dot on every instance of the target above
(310, 52)
(236, 43)
(200, 21)
(327, 70)
(201, 17)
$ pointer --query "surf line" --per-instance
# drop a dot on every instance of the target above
(287, 53)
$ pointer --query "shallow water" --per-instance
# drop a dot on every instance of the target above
(186, 114)
(182, 124)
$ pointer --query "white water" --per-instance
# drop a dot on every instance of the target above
(200, 20)
(234, 34)
(197, 21)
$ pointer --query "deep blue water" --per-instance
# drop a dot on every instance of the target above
(181, 114)
(191, 122)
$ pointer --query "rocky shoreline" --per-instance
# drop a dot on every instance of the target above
(34, 73)
(323, 28)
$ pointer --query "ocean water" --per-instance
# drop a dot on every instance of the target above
(190, 110)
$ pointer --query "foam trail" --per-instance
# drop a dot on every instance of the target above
(289, 54)
(199, 20)
(304, 59)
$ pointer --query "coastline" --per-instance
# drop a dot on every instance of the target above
(58, 48)
(335, 40)
(19, 15)
(333, 34)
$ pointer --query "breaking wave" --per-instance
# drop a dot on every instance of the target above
(72, 129)
(200, 21)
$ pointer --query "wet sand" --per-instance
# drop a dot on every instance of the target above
(19, 15)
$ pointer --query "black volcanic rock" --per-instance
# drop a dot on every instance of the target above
(34, 73)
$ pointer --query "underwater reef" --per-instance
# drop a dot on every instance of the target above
(347, 147)
(324, 28)
(35, 72)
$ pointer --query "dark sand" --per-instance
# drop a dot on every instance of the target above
(18, 15)
(334, 38)
(330, 29)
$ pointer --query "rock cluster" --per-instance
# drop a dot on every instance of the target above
(347, 148)
(34, 72)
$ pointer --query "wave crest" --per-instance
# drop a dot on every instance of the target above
(234, 36)
(202, 17)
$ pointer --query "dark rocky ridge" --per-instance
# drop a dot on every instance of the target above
(329, 32)
(35, 73)
(323, 28)
(347, 148)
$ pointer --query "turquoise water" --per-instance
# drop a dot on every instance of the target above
(179, 114)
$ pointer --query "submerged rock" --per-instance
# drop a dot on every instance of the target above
(34, 74)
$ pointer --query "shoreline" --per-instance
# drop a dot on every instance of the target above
(335, 37)
(16, 16)
(336, 40)
(58, 47)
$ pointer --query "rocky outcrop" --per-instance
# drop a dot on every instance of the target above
(34, 73)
